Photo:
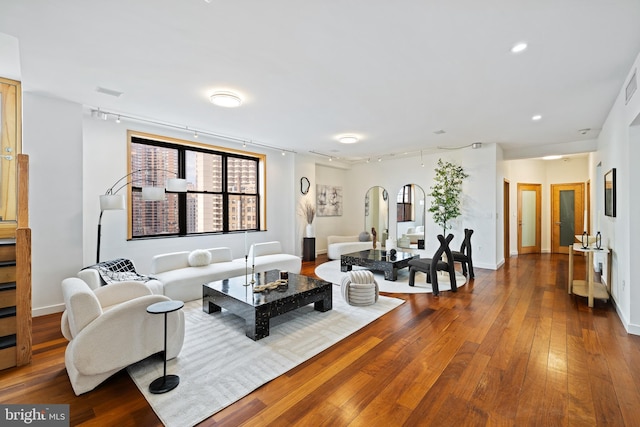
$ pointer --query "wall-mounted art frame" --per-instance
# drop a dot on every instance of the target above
(610, 193)
(328, 200)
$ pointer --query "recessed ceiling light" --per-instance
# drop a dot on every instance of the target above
(348, 139)
(519, 47)
(536, 117)
(555, 157)
(225, 99)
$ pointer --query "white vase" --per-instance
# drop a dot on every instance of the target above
(309, 230)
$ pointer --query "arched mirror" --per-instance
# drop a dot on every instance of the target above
(410, 221)
(376, 213)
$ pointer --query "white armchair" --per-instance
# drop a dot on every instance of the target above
(109, 328)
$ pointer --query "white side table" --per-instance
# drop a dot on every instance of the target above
(588, 288)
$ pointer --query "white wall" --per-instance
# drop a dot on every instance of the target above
(544, 172)
(73, 159)
(52, 137)
(618, 144)
(105, 161)
(478, 198)
(334, 225)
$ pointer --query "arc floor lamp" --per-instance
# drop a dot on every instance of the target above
(110, 200)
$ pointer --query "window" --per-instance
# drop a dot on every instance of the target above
(223, 188)
(404, 206)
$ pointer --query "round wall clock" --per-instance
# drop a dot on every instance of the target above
(304, 185)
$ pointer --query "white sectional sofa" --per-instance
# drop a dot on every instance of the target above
(180, 275)
(339, 245)
(183, 281)
(269, 256)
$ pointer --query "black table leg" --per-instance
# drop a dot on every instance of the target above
(166, 382)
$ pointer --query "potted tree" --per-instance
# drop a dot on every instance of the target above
(445, 194)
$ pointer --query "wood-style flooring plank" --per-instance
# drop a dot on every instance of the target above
(510, 348)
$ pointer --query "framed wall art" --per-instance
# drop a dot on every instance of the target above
(328, 200)
(610, 193)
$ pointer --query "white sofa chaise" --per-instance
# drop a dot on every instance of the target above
(182, 281)
(269, 256)
(340, 245)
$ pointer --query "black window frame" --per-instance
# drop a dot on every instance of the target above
(183, 147)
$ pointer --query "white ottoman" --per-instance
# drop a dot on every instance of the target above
(359, 288)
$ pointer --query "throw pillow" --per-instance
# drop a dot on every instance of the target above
(199, 258)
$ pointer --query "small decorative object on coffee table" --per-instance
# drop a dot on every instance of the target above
(166, 382)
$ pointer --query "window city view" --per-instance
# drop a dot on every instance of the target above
(205, 200)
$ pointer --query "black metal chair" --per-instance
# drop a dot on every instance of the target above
(464, 255)
(431, 266)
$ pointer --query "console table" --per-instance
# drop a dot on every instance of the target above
(589, 288)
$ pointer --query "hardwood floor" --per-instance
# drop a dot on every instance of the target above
(510, 348)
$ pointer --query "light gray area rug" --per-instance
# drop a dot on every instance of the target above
(218, 364)
(330, 271)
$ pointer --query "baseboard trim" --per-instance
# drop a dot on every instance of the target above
(43, 311)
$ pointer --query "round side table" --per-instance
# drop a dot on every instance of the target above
(166, 382)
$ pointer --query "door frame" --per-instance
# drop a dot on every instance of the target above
(538, 246)
(506, 218)
(578, 220)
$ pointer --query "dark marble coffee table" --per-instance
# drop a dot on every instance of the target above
(258, 308)
(373, 259)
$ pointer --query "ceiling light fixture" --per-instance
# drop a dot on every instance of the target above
(379, 159)
(554, 157)
(225, 99)
(195, 134)
(519, 47)
(476, 145)
(536, 117)
(118, 119)
(348, 139)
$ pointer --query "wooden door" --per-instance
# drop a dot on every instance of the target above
(567, 215)
(529, 218)
(506, 226)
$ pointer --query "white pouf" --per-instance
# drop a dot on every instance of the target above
(359, 288)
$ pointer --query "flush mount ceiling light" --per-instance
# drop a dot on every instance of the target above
(348, 139)
(536, 117)
(519, 47)
(554, 157)
(225, 99)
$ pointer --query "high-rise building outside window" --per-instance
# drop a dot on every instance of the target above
(223, 188)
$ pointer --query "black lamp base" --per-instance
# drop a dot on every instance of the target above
(164, 384)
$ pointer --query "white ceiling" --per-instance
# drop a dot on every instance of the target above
(393, 72)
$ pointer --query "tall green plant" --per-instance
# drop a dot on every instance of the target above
(445, 193)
